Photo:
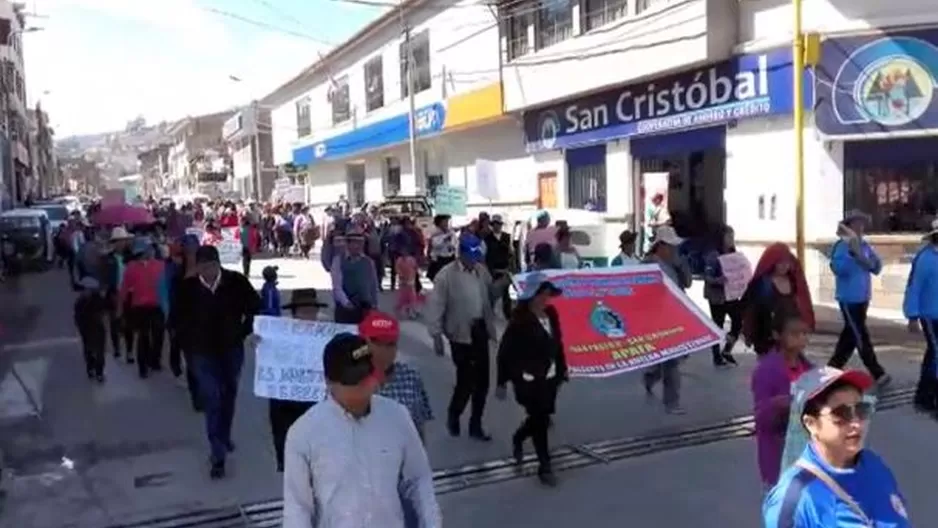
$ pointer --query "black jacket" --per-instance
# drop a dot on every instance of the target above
(213, 323)
(527, 348)
(498, 251)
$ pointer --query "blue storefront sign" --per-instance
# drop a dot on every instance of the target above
(429, 120)
(876, 84)
(745, 86)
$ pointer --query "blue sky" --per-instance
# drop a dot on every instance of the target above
(99, 63)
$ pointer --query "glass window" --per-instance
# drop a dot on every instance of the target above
(418, 53)
(900, 198)
(643, 5)
(303, 127)
(55, 213)
(554, 22)
(374, 84)
(339, 97)
(517, 22)
(602, 12)
(586, 187)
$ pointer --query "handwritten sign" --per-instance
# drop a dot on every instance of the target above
(229, 247)
(738, 273)
(449, 200)
(288, 362)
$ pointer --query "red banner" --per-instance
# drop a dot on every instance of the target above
(616, 320)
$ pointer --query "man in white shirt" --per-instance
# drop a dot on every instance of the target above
(356, 459)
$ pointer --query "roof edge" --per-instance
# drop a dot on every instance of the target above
(279, 95)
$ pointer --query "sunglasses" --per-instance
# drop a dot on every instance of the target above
(848, 413)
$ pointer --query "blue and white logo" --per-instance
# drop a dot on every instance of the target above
(889, 82)
(548, 129)
(319, 150)
(427, 120)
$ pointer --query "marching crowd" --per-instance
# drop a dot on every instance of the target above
(356, 458)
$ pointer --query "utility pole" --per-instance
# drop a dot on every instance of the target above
(256, 151)
(412, 113)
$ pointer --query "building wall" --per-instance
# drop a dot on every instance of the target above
(463, 56)
(668, 35)
(768, 22)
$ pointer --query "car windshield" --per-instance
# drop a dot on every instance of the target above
(56, 212)
(19, 222)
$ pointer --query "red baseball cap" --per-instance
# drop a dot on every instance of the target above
(379, 326)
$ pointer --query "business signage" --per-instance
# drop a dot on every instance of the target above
(878, 84)
(745, 86)
(427, 121)
(232, 125)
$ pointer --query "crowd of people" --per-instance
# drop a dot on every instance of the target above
(357, 456)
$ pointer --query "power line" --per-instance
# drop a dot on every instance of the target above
(265, 25)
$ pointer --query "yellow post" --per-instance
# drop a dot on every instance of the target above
(797, 57)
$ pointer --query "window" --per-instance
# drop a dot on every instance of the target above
(341, 110)
(420, 57)
(598, 13)
(554, 22)
(374, 84)
(586, 187)
(643, 5)
(517, 22)
(303, 126)
(393, 173)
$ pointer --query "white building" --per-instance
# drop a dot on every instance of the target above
(247, 134)
(15, 121)
(350, 112)
(617, 100)
(622, 99)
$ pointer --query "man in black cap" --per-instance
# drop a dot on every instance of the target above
(361, 450)
(214, 313)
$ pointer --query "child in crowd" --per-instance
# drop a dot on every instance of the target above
(270, 294)
(771, 390)
(408, 300)
(90, 314)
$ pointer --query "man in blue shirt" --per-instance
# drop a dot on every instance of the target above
(836, 483)
(853, 262)
(921, 308)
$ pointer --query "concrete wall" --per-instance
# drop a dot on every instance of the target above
(667, 36)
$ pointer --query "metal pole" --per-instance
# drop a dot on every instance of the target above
(798, 115)
(410, 99)
(256, 148)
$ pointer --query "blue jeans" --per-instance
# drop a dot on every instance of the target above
(217, 380)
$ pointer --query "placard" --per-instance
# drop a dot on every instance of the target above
(288, 358)
(486, 179)
(738, 272)
(229, 247)
(448, 200)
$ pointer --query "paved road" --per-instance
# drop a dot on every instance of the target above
(89, 457)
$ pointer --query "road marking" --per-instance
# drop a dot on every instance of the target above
(42, 343)
(21, 389)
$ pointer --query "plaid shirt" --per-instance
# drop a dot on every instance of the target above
(405, 386)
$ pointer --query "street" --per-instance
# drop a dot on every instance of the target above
(86, 456)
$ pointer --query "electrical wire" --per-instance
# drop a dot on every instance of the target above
(267, 26)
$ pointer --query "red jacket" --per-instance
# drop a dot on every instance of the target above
(253, 242)
(141, 284)
(228, 220)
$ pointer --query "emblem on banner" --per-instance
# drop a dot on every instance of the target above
(894, 91)
(607, 322)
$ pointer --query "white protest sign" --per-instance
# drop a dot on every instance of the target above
(738, 273)
(229, 248)
(486, 179)
(288, 359)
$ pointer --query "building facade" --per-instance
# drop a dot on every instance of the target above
(247, 135)
(198, 159)
(15, 119)
(345, 121)
(46, 177)
(154, 168)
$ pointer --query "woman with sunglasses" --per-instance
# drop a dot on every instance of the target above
(836, 483)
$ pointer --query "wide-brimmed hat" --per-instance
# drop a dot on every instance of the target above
(627, 237)
(855, 214)
(120, 233)
(535, 284)
(304, 298)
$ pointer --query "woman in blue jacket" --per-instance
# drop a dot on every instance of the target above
(921, 309)
(854, 262)
(836, 483)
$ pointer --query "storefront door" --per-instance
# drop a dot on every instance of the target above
(547, 190)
